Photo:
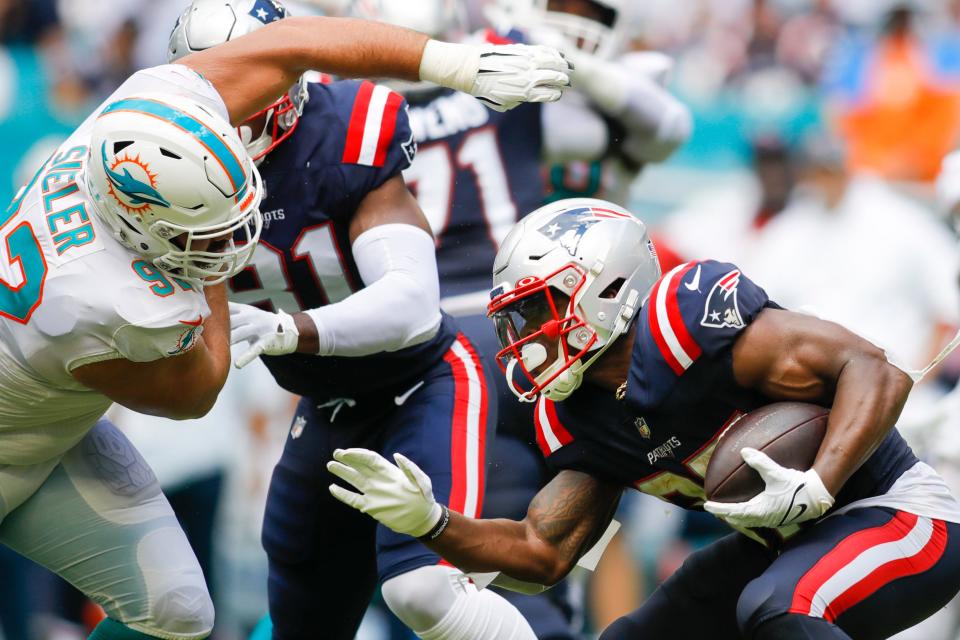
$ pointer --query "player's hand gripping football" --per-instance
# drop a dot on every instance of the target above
(502, 76)
(273, 334)
(791, 496)
(399, 496)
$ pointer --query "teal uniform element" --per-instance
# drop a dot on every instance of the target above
(561, 186)
(19, 300)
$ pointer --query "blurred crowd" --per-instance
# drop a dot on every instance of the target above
(820, 130)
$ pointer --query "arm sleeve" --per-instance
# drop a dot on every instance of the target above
(399, 306)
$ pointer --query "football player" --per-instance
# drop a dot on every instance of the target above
(348, 317)
(477, 172)
(636, 377)
(111, 290)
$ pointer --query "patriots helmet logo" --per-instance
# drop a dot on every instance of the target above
(132, 184)
(267, 11)
(721, 309)
(569, 227)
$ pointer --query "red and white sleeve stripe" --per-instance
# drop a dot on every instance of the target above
(670, 333)
(372, 125)
(551, 435)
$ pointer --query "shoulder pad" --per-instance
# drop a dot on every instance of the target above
(697, 309)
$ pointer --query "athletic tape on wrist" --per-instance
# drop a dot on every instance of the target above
(450, 65)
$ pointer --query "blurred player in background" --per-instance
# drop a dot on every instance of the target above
(347, 251)
(477, 172)
(636, 376)
(111, 293)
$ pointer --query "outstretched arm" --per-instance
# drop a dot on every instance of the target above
(563, 521)
(250, 72)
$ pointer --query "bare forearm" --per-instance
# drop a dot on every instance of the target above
(563, 520)
(216, 332)
(271, 59)
(497, 545)
(870, 394)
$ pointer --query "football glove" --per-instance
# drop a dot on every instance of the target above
(399, 496)
(273, 334)
(501, 76)
(790, 497)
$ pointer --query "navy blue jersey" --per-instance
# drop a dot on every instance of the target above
(352, 137)
(680, 397)
(477, 172)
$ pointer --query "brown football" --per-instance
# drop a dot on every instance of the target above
(788, 432)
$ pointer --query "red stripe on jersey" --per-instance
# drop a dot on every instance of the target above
(541, 439)
(558, 429)
(358, 121)
(548, 428)
(388, 125)
(679, 327)
(657, 333)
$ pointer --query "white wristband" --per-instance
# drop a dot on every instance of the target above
(450, 65)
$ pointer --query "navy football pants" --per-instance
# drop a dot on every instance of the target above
(866, 574)
(326, 558)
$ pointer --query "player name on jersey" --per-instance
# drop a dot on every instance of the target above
(68, 221)
(446, 116)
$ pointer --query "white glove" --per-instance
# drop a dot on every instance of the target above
(398, 496)
(791, 496)
(502, 76)
(273, 334)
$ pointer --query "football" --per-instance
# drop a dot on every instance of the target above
(788, 432)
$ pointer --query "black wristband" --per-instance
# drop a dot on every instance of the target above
(438, 528)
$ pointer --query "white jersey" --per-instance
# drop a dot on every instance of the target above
(71, 295)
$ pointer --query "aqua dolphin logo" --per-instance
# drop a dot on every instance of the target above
(138, 191)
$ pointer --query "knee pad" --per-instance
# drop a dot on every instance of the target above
(179, 605)
(422, 597)
(440, 603)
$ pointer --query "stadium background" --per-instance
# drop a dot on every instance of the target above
(789, 97)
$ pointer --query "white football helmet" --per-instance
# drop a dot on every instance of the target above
(596, 254)
(165, 172)
(600, 29)
(207, 23)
